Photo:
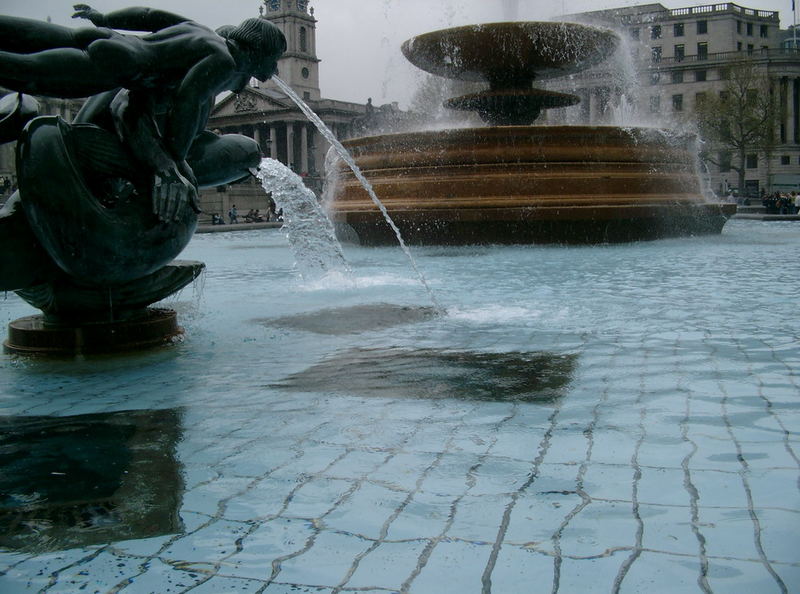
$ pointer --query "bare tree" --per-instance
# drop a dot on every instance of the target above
(741, 120)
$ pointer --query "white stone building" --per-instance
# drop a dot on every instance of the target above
(678, 55)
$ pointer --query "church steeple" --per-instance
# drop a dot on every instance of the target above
(299, 65)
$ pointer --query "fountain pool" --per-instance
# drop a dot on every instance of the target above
(581, 419)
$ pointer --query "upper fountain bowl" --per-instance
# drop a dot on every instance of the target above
(510, 55)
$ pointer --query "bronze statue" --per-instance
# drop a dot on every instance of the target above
(107, 201)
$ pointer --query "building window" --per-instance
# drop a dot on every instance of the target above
(764, 31)
(699, 98)
(677, 103)
(738, 26)
(750, 49)
(677, 76)
(751, 161)
(680, 52)
(702, 50)
(702, 27)
(786, 160)
(750, 29)
(655, 104)
(700, 75)
(303, 40)
(304, 72)
(655, 77)
(655, 53)
(635, 33)
(306, 96)
(655, 32)
(738, 46)
(677, 30)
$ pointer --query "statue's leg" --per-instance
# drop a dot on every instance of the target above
(63, 72)
(28, 36)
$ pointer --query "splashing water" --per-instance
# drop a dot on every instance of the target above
(347, 158)
(310, 233)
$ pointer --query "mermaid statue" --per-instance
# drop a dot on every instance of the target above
(106, 202)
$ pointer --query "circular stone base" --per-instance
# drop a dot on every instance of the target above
(31, 335)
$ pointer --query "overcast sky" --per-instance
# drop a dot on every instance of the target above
(359, 41)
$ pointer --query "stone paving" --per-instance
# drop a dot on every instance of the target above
(500, 448)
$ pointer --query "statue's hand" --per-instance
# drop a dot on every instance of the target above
(172, 193)
(84, 11)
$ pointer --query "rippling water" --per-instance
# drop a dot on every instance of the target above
(583, 419)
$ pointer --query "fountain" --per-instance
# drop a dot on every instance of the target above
(512, 182)
(601, 421)
(107, 201)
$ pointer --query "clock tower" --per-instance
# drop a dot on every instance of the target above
(299, 65)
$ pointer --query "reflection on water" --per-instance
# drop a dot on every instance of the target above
(354, 319)
(75, 481)
(434, 373)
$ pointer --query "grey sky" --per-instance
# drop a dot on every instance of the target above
(359, 41)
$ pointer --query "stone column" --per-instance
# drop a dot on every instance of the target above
(273, 142)
(290, 145)
(257, 137)
(796, 109)
(784, 108)
(303, 149)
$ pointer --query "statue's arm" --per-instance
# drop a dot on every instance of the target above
(130, 19)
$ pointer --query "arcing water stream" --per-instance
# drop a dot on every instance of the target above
(347, 157)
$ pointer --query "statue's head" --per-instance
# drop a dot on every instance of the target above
(259, 44)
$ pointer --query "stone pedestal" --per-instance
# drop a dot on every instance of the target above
(31, 335)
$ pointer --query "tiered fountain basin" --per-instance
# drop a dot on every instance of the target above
(513, 182)
(525, 184)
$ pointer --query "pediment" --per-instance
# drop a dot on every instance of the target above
(249, 101)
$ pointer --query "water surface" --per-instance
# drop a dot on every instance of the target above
(583, 419)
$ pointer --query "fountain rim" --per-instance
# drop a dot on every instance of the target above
(556, 69)
(447, 135)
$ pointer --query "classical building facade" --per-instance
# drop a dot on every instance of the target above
(679, 56)
(265, 112)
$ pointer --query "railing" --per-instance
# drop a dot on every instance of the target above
(721, 56)
(723, 7)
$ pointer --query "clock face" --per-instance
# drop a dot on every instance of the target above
(274, 4)
(301, 5)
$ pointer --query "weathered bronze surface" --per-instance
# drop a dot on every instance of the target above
(105, 202)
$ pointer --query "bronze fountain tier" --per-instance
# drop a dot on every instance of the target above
(512, 182)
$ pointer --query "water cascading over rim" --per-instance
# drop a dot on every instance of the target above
(514, 182)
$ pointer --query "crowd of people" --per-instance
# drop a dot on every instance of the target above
(781, 202)
(253, 215)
